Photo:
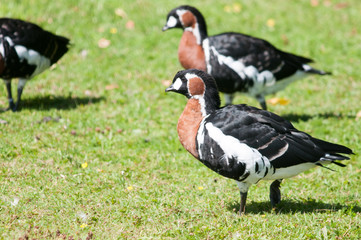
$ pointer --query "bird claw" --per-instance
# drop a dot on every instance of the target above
(13, 107)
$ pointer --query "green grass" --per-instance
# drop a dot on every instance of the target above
(139, 182)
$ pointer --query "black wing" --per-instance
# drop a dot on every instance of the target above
(274, 137)
(33, 37)
(258, 53)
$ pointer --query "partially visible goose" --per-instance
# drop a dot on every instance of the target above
(238, 62)
(25, 51)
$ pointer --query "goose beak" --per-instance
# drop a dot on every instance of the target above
(165, 28)
(170, 88)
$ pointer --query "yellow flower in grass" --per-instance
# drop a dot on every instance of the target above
(271, 23)
(227, 9)
(84, 165)
(83, 225)
(113, 30)
(130, 188)
(200, 188)
(237, 7)
(280, 101)
(234, 8)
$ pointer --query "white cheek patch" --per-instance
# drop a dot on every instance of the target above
(172, 21)
(177, 84)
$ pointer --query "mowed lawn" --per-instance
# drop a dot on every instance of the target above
(94, 152)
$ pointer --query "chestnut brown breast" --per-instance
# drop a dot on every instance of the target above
(188, 125)
(191, 54)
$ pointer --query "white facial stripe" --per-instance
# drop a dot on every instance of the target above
(189, 76)
(205, 45)
(172, 21)
(201, 101)
(180, 13)
(200, 98)
(197, 34)
(195, 31)
(177, 84)
(200, 136)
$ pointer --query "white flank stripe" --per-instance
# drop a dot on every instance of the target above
(33, 58)
(232, 147)
(237, 66)
(2, 50)
(264, 82)
(8, 39)
(272, 87)
(244, 154)
(260, 78)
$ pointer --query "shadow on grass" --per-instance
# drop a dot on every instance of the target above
(305, 117)
(58, 102)
(290, 206)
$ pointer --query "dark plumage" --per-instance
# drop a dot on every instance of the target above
(25, 51)
(245, 143)
(238, 62)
